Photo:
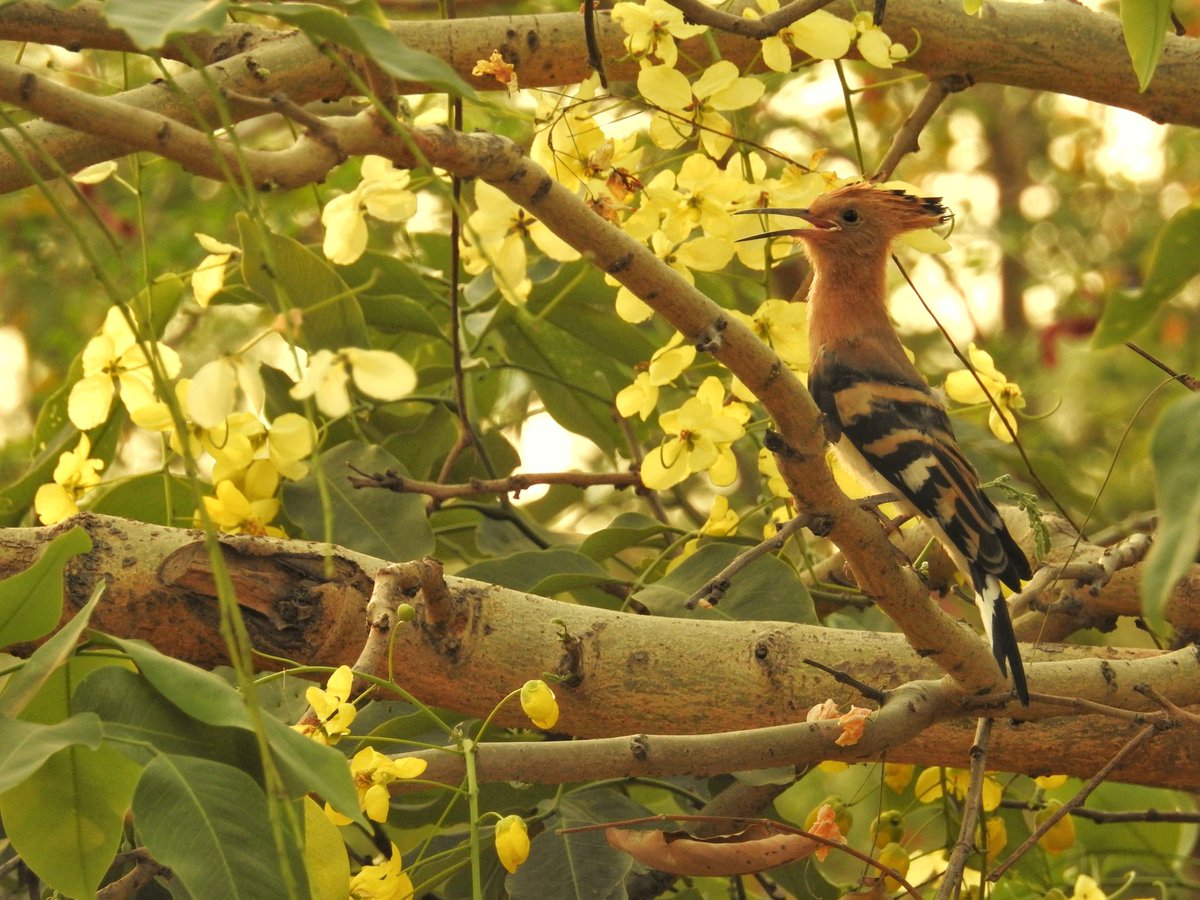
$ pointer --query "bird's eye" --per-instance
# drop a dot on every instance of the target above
(850, 216)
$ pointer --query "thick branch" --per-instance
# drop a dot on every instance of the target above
(1061, 47)
(678, 676)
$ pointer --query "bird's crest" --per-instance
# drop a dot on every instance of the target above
(903, 211)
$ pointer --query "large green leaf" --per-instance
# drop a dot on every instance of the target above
(364, 36)
(304, 764)
(66, 820)
(626, 530)
(25, 746)
(767, 589)
(31, 601)
(146, 723)
(272, 262)
(1145, 24)
(582, 864)
(378, 522)
(576, 382)
(44, 662)
(208, 823)
(151, 23)
(544, 572)
(157, 498)
(1174, 261)
(1175, 449)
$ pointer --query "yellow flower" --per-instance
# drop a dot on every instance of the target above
(334, 713)
(820, 35)
(494, 240)
(248, 507)
(539, 703)
(94, 174)
(768, 467)
(377, 373)
(209, 276)
(783, 325)
(704, 254)
(895, 857)
(382, 881)
(685, 106)
(1061, 835)
(703, 430)
(721, 522)
(898, 776)
(372, 772)
(997, 836)
(383, 192)
(1050, 782)
(929, 786)
(875, 46)
(1086, 888)
(652, 27)
(74, 476)
(290, 439)
(512, 842)
(963, 387)
(114, 364)
(667, 364)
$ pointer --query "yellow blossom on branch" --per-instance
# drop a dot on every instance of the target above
(966, 388)
(372, 772)
(820, 35)
(377, 373)
(382, 881)
(667, 364)
(652, 27)
(383, 193)
(539, 703)
(332, 711)
(512, 842)
(929, 786)
(209, 276)
(783, 325)
(248, 504)
(686, 107)
(115, 364)
(702, 431)
(74, 476)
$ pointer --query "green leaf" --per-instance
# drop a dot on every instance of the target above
(542, 572)
(373, 521)
(767, 589)
(272, 262)
(151, 23)
(1174, 449)
(304, 764)
(1174, 260)
(581, 864)
(574, 380)
(364, 36)
(324, 855)
(47, 659)
(1145, 25)
(31, 601)
(25, 746)
(157, 498)
(145, 722)
(66, 820)
(626, 530)
(208, 823)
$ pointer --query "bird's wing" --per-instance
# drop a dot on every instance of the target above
(900, 429)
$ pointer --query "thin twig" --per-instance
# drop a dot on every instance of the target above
(965, 845)
(1192, 384)
(871, 693)
(1075, 802)
(698, 12)
(714, 589)
(513, 484)
(906, 140)
(595, 56)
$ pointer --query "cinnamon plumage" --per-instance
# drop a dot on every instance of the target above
(880, 413)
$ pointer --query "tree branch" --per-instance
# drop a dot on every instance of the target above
(513, 484)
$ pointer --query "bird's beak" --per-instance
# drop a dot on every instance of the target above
(816, 222)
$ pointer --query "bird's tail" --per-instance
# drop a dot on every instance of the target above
(998, 626)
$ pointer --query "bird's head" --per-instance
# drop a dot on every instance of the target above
(859, 219)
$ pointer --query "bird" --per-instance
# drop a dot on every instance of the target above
(881, 416)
